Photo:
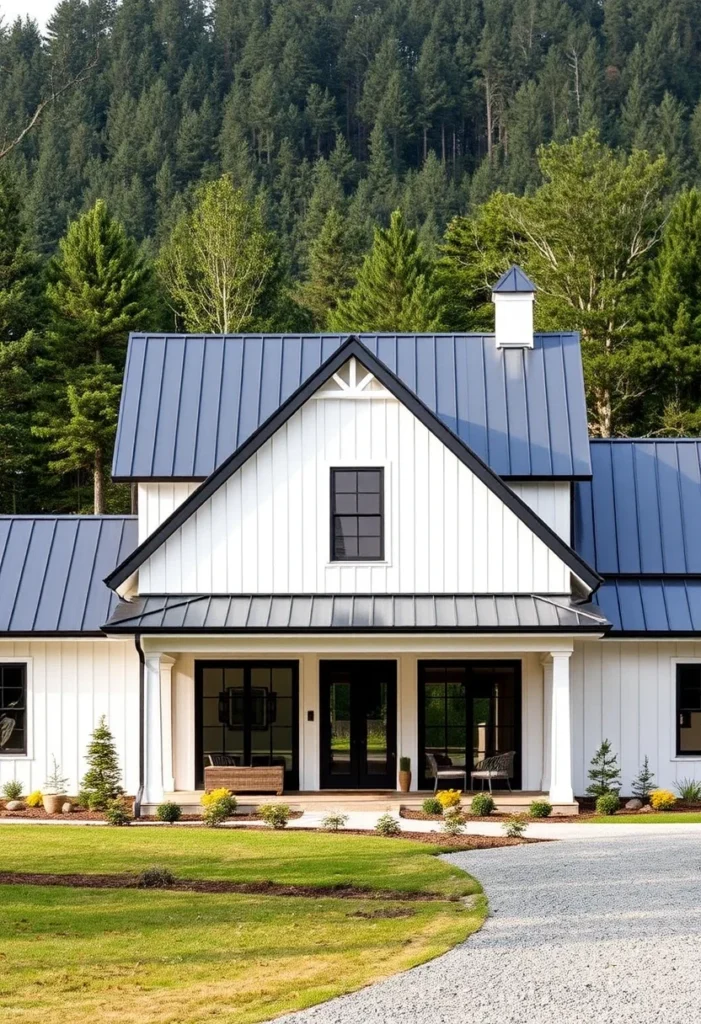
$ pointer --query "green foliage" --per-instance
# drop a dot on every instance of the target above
(12, 790)
(55, 782)
(334, 822)
(642, 783)
(332, 266)
(216, 812)
(404, 764)
(157, 877)
(117, 812)
(608, 803)
(453, 823)
(387, 825)
(540, 809)
(689, 790)
(432, 805)
(169, 812)
(395, 289)
(482, 805)
(604, 773)
(102, 781)
(275, 815)
(515, 825)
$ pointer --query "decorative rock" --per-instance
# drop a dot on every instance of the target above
(67, 808)
(634, 805)
(14, 805)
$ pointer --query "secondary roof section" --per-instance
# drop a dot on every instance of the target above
(190, 401)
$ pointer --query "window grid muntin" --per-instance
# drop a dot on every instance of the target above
(357, 514)
(13, 705)
(684, 706)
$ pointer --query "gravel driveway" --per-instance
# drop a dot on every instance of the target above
(581, 932)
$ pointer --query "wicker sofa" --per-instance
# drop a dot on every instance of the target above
(240, 779)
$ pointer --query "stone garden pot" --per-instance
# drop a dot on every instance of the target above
(53, 802)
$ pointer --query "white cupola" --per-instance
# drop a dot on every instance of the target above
(513, 296)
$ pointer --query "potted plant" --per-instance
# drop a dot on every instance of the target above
(404, 774)
(54, 793)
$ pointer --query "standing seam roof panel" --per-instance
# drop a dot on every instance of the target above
(189, 401)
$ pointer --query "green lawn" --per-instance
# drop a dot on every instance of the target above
(663, 818)
(145, 957)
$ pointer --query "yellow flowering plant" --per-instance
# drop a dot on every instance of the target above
(662, 799)
(449, 797)
(34, 799)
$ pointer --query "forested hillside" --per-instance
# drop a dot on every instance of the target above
(362, 165)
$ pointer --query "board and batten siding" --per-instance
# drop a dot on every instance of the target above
(626, 692)
(70, 684)
(267, 529)
(549, 499)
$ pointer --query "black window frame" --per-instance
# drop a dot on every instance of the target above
(334, 556)
(22, 666)
(680, 711)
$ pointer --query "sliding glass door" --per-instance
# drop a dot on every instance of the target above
(469, 710)
(249, 711)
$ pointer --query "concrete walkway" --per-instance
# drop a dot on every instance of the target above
(596, 930)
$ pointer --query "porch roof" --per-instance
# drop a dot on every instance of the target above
(344, 613)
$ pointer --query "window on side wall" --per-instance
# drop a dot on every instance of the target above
(357, 515)
(689, 709)
(13, 709)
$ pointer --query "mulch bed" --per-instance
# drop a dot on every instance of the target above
(83, 815)
(127, 881)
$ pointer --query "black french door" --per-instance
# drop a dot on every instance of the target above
(249, 711)
(469, 710)
(358, 724)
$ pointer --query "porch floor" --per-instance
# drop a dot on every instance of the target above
(362, 800)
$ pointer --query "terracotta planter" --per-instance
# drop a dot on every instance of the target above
(53, 802)
(404, 782)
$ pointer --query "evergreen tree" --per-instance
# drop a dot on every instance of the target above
(395, 289)
(99, 289)
(332, 267)
(643, 782)
(604, 773)
(102, 781)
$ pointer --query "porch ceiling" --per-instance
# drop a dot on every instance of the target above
(351, 613)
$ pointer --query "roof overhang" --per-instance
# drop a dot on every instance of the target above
(354, 348)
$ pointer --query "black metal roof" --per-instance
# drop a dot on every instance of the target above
(352, 347)
(52, 569)
(514, 280)
(354, 613)
(189, 401)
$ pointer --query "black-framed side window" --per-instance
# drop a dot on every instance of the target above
(689, 709)
(13, 708)
(357, 515)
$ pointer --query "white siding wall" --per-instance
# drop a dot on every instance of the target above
(551, 500)
(70, 683)
(267, 528)
(157, 501)
(625, 692)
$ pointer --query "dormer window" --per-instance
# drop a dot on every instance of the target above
(357, 513)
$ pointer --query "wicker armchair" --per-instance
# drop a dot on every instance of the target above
(444, 773)
(500, 766)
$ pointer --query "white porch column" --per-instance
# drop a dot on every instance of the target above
(166, 666)
(560, 730)
(547, 720)
(154, 776)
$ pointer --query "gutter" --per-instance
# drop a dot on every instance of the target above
(142, 730)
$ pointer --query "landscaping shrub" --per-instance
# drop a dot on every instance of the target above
(604, 773)
(117, 812)
(101, 783)
(220, 796)
(642, 783)
(156, 878)
(608, 804)
(662, 799)
(432, 805)
(448, 797)
(689, 790)
(453, 824)
(404, 764)
(214, 814)
(482, 805)
(334, 822)
(12, 790)
(169, 812)
(276, 815)
(35, 799)
(55, 783)
(540, 809)
(515, 825)
(387, 825)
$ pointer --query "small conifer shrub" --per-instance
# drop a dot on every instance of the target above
(102, 781)
(604, 773)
